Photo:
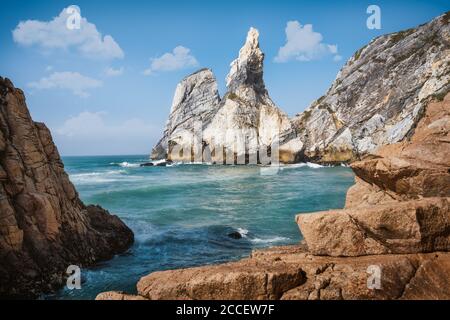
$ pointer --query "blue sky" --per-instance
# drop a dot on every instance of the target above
(112, 95)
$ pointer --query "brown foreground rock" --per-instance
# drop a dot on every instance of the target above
(400, 202)
(396, 225)
(291, 273)
(44, 226)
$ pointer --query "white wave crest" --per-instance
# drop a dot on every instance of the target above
(243, 232)
(303, 164)
(269, 240)
(129, 165)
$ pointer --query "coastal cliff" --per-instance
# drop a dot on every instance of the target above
(379, 95)
(44, 226)
(396, 220)
(376, 99)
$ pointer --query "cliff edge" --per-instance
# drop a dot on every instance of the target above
(44, 226)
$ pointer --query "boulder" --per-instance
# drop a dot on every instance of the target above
(405, 227)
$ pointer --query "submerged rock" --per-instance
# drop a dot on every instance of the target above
(147, 164)
(44, 226)
(235, 235)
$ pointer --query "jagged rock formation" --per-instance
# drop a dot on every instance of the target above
(397, 218)
(379, 95)
(44, 226)
(377, 99)
(244, 124)
(196, 99)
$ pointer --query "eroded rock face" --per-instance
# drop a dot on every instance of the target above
(400, 202)
(244, 124)
(44, 226)
(195, 102)
(379, 95)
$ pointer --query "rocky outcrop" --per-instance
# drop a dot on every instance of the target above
(390, 242)
(195, 102)
(243, 125)
(379, 95)
(44, 226)
(400, 203)
(292, 273)
(376, 99)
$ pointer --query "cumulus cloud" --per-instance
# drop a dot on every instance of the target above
(73, 81)
(92, 133)
(112, 72)
(55, 34)
(304, 44)
(179, 58)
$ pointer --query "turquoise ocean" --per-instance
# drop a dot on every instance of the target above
(181, 215)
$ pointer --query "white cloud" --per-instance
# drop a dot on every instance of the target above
(93, 123)
(73, 81)
(55, 34)
(92, 133)
(179, 58)
(304, 44)
(111, 72)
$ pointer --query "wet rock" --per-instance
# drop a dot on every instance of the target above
(235, 235)
(147, 164)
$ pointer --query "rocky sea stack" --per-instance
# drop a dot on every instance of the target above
(244, 123)
(44, 226)
(376, 99)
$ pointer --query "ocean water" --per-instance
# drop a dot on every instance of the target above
(181, 215)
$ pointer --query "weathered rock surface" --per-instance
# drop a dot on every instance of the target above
(291, 273)
(400, 203)
(379, 95)
(244, 124)
(195, 102)
(44, 226)
(404, 227)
